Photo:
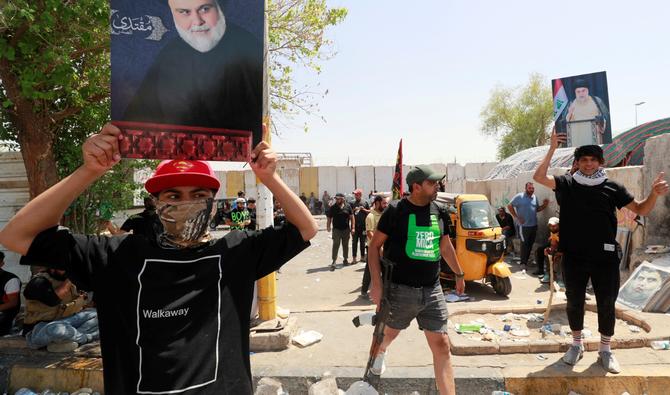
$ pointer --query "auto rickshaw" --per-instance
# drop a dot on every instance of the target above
(478, 240)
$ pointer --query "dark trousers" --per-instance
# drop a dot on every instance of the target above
(341, 236)
(358, 238)
(528, 239)
(6, 322)
(539, 259)
(366, 276)
(604, 275)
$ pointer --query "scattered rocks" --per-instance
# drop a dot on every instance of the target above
(269, 386)
(327, 386)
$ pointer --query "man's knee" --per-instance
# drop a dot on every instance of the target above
(440, 346)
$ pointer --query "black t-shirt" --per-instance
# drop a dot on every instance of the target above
(340, 215)
(238, 216)
(360, 215)
(145, 223)
(507, 221)
(588, 216)
(252, 218)
(171, 321)
(414, 234)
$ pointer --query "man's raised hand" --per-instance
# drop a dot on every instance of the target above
(101, 151)
(557, 138)
(660, 185)
(263, 161)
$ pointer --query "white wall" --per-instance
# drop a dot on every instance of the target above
(346, 180)
(327, 180)
(383, 178)
(365, 178)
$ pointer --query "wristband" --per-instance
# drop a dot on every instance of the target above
(462, 275)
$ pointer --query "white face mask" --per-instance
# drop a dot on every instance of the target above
(185, 224)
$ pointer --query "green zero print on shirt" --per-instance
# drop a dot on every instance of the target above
(423, 242)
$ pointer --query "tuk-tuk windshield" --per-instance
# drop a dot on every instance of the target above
(478, 215)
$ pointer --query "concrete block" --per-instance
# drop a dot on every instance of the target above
(505, 347)
(273, 341)
(538, 346)
(268, 386)
(627, 342)
(591, 345)
(327, 386)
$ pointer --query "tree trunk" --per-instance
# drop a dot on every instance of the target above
(37, 149)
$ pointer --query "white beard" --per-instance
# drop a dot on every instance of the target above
(200, 42)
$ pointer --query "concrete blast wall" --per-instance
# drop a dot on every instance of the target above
(383, 178)
(14, 194)
(656, 151)
(365, 178)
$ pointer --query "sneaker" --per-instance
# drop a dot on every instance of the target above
(332, 266)
(561, 285)
(574, 354)
(345, 262)
(609, 362)
(545, 279)
(379, 366)
(62, 346)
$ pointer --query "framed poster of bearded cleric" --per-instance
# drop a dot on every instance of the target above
(581, 109)
(187, 77)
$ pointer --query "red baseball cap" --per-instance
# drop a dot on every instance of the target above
(181, 173)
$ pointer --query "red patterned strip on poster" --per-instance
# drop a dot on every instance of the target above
(157, 141)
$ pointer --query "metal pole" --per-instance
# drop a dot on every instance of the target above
(267, 286)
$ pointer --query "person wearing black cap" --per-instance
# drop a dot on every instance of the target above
(173, 311)
(414, 234)
(341, 216)
(589, 201)
(146, 222)
(587, 116)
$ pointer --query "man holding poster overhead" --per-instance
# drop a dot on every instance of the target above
(173, 309)
(209, 75)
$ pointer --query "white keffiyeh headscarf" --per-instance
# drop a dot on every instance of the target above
(594, 179)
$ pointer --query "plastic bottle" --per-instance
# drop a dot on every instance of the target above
(661, 345)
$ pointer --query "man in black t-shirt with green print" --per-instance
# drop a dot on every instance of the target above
(589, 201)
(414, 233)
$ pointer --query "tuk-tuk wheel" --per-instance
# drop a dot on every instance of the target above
(502, 285)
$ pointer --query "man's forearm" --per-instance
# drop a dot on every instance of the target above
(374, 265)
(644, 207)
(45, 210)
(295, 210)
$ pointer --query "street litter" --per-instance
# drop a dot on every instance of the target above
(452, 297)
(541, 357)
(468, 328)
(657, 249)
(307, 338)
(634, 328)
(361, 388)
(520, 332)
(586, 333)
(661, 345)
(283, 313)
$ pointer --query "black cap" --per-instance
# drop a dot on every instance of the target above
(339, 195)
(421, 173)
(581, 83)
(590, 150)
(377, 198)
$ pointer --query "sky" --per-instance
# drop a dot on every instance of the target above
(423, 71)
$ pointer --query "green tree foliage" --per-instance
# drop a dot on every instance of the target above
(519, 117)
(297, 39)
(55, 76)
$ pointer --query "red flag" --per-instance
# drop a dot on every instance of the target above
(398, 186)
